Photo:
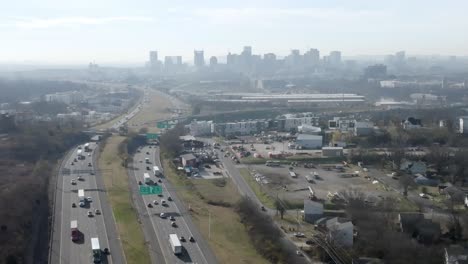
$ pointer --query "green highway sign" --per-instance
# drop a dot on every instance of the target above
(147, 190)
(152, 136)
(162, 124)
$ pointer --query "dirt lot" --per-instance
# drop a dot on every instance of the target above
(280, 183)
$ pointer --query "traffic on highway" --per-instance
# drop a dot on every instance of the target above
(177, 239)
(83, 219)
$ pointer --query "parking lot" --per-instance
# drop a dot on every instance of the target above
(278, 181)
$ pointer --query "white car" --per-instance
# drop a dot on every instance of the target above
(155, 202)
(97, 211)
(162, 215)
(90, 214)
(89, 199)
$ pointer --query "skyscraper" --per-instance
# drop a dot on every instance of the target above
(213, 61)
(153, 58)
(335, 58)
(312, 57)
(199, 58)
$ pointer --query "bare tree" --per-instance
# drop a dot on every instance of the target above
(406, 181)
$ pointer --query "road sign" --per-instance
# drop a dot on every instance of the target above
(147, 190)
(152, 136)
(162, 124)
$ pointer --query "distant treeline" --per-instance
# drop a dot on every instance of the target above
(17, 90)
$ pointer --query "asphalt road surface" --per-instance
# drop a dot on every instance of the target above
(193, 252)
(102, 226)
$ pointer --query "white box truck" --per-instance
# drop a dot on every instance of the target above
(175, 244)
(147, 178)
(96, 250)
(157, 171)
(81, 197)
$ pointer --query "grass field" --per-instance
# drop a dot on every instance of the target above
(228, 237)
(264, 197)
(117, 186)
(155, 109)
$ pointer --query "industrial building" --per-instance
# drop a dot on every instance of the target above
(306, 141)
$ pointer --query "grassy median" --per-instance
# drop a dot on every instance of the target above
(264, 197)
(117, 186)
(228, 238)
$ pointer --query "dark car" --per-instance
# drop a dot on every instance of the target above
(263, 208)
(207, 166)
(147, 153)
(89, 164)
(73, 205)
(140, 183)
(191, 239)
(182, 239)
(148, 168)
(106, 251)
(159, 180)
(150, 205)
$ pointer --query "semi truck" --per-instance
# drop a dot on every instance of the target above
(175, 244)
(87, 147)
(75, 233)
(147, 178)
(157, 171)
(79, 153)
(96, 249)
(81, 197)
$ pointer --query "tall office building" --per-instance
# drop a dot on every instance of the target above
(335, 58)
(213, 61)
(400, 56)
(312, 57)
(153, 58)
(247, 52)
(199, 58)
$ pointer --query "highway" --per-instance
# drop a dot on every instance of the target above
(102, 226)
(193, 252)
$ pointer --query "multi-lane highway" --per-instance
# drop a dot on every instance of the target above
(193, 252)
(84, 176)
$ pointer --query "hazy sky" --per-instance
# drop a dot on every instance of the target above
(106, 31)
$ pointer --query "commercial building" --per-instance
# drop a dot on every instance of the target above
(66, 97)
(312, 211)
(334, 58)
(308, 129)
(153, 59)
(332, 151)
(342, 124)
(291, 122)
(188, 160)
(200, 128)
(463, 125)
(341, 231)
(305, 141)
(363, 128)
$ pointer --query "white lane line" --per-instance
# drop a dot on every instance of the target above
(99, 201)
(149, 215)
(185, 223)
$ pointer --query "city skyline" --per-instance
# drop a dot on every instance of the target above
(56, 32)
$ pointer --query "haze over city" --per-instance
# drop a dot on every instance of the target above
(58, 32)
(268, 131)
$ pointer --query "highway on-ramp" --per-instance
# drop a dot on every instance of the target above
(102, 226)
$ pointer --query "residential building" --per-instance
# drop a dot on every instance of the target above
(340, 231)
(411, 123)
(418, 227)
(456, 254)
(423, 180)
(414, 167)
(241, 128)
(201, 128)
(305, 141)
(332, 151)
(312, 211)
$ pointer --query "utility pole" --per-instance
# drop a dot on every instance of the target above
(209, 224)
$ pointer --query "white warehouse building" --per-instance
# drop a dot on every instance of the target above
(306, 141)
